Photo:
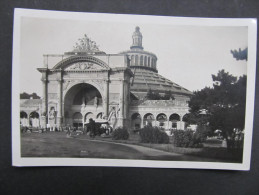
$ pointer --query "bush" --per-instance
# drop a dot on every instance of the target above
(187, 139)
(120, 134)
(182, 138)
(153, 135)
(201, 133)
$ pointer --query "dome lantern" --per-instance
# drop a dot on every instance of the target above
(137, 39)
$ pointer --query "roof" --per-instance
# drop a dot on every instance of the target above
(146, 79)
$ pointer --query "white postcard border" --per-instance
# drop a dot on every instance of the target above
(251, 75)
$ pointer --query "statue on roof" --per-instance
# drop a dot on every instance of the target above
(85, 44)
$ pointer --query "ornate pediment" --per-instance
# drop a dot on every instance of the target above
(83, 66)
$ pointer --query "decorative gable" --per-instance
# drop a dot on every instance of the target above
(83, 66)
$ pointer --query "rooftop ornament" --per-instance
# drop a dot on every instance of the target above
(85, 44)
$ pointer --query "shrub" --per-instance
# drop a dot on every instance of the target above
(120, 134)
(153, 135)
(187, 139)
(201, 133)
(182, 138)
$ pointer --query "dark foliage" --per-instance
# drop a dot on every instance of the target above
(120, 134)
(224, 104)
(154, 95)
(240, 54)
(29, 96)
(153, 135)
(187, 139)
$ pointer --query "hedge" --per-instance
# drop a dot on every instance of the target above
(153, 135)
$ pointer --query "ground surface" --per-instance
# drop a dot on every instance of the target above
(57, 144)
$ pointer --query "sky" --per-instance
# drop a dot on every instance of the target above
(187, 54)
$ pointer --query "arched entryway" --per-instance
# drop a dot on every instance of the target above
(88, 116)
(34, 119)
(174, 119)
(135, 121)
(77, 120)
(99, 115)
(161, 119)
(148, 119)
(82, 98)
(24, 119)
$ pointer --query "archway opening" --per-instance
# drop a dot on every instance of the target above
(136, 121)
(174, 118)
(161, 118)
(148, 119)
(82, 98)
(77, 120)
(99, 115)
(88, 116)
(34, 119)
(23, 114)
(23, 119)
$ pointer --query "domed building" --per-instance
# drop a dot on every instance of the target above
(165, 113)
(88, 83)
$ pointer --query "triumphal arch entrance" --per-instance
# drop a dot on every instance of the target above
(85, 83)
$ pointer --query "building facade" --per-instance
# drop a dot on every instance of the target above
(88, 83)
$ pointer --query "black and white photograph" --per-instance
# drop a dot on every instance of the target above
(92, 89)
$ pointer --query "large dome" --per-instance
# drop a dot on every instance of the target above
(146, 79)
(144, 66)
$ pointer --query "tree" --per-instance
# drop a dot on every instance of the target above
(29, 96)
(224, 103)
(168, 95)
(240, 54)
(153, 95)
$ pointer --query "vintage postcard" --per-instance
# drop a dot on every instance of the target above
(92, 89)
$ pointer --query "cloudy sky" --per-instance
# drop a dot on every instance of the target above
(187, 54)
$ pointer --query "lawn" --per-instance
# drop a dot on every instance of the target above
(52, 143)
(211, 148)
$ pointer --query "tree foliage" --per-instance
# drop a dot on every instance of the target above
(154, 95)
(29, 96)
(224, 103)
(240, 54)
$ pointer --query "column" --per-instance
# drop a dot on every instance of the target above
(44, 103)
(59, 106)
(106, 98)
(126, 103)
(121, 103)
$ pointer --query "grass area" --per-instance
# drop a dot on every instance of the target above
(212, 148)
(57, 144)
